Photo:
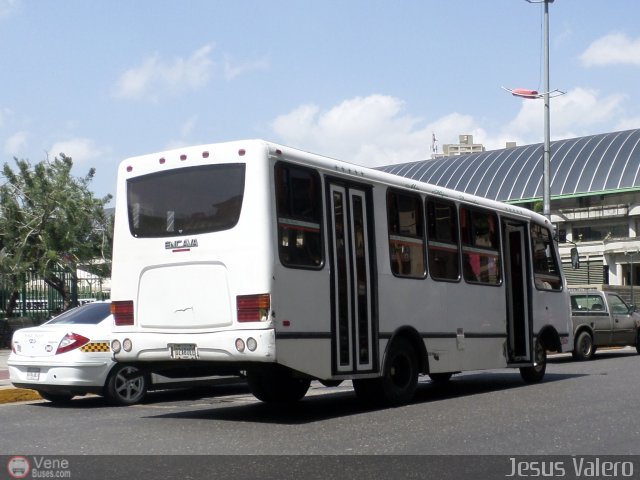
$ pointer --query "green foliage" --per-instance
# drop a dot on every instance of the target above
(51, 220)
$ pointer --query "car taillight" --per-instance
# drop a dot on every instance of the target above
(253, 308)
(71, 341)
(122, 312)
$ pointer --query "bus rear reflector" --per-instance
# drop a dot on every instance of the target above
(122, 312)
(253, 308)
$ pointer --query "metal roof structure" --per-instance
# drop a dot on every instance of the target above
(604, 163)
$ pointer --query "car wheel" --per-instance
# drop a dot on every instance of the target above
(535, 373)
(583, 347)
(56, 397)
(126, 385)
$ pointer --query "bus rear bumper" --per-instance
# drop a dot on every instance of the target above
(225, 346)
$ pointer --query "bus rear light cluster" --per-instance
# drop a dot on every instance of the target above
(126, 345)
(122, 312)
(251, 344)
(253, 308)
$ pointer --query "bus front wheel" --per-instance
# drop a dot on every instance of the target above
(535, 373)
(276, 384)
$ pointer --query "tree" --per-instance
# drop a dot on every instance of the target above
(51, 222)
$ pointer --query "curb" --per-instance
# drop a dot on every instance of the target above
(12, 395)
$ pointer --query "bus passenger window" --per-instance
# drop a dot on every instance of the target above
(406, 234)
(480, 247)
(443, 250)
(546, 272)
(299, 212)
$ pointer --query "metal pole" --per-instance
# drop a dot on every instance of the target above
(546, 199)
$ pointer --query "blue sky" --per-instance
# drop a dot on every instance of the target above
(364, 81)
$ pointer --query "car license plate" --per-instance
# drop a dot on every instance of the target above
(184, 351)
(33, 374)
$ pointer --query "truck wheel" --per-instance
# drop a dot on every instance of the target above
(535, 373)
(276, 384)
(583, 347)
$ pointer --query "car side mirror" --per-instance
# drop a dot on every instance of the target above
(575, 258)
(632, 308)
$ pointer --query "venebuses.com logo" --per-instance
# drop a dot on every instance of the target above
(20, 466)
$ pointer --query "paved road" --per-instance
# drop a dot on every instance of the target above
(581, 408)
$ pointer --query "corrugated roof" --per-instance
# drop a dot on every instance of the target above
(594, 164)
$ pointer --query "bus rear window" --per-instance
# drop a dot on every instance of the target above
(185, 201)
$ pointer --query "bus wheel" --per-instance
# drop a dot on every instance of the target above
(399, 380)
(276, 384)
(583, 347)
(535, 374)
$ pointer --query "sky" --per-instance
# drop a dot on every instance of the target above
(366, 81)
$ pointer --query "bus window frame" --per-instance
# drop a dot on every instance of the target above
(450, 203)
(486, 251)
(415, 239)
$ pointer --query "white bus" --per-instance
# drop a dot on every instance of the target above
(290, 266)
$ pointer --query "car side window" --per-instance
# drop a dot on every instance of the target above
(616, 304)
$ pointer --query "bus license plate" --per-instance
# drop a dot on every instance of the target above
(184, 351)
(33, 374)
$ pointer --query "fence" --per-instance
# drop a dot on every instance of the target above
(39, 301)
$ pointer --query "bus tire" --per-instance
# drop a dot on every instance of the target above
(399, 379)
(276, 384)
(126, 385)
(535, 373)
(583, 347)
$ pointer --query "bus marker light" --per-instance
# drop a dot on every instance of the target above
(116, 346)
(239, 345)
(127, 345)
(252, 344)
(162, 160)
(241, 152)
(129, 168)
(205, 154)
(286, 323)
(183, 157)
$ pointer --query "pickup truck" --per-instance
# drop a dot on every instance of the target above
(602, 319)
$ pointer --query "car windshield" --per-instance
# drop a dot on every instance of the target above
(90, 314)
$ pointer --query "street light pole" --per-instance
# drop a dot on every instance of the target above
(546, 178)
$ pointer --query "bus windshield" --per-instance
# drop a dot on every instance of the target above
(185, 201)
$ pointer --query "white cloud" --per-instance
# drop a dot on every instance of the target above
(16, 144)
(233, 70)
(79, 149)
(370, 131)
(612, 49)
(156, 76)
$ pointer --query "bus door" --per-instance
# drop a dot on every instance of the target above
(518, 311)
(354, 332)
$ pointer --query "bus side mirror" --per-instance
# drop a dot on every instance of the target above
(575, 258)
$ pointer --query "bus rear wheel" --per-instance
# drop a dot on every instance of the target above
(535, 373)
(399, 380)
(276, 384)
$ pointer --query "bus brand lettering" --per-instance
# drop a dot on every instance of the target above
(187, 243)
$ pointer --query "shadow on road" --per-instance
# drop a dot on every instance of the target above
(314, 408)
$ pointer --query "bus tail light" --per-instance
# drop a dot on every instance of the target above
(253, 308)
(122, 312)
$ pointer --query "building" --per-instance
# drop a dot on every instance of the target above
(595, 196)
(464, 147)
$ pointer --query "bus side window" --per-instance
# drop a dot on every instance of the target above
(443, 246)
(299, 216)
(406, 234)
(546, 272)
(480, 248)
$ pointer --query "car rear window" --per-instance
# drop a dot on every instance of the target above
(90, 314)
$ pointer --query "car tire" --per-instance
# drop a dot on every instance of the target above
(56, 397)
(126, 385)
(583, 347)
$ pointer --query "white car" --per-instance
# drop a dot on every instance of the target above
(70, 355)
